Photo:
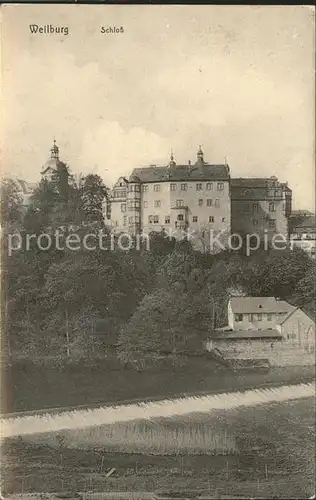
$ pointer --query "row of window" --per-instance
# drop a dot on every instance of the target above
(183, 187)
(255, 207)
(132, 219)
(135, 204)
(272, 223)
(154, 219)
(251, 317)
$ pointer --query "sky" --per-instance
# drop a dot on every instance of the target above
(239, 80)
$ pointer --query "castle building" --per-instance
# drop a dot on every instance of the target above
(191, 198)
(260, 206)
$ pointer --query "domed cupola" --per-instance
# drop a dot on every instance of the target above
(200, 156)
(54, 151)
(172, 162)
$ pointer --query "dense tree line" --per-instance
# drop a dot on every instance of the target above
(148, 301)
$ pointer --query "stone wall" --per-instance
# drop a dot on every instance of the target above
(278, 353)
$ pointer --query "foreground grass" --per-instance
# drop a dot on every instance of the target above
(27, 386)
(275, 459)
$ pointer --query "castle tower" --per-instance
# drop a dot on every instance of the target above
(133, 205)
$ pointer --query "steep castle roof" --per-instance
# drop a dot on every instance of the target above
(206, 172)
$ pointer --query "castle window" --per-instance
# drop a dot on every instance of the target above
(145, 188)
(156, 187)
(156, 219)
(272, 223)
(211, 218)
(124, 220)
(173, 187)
(238, 317)
(259, 316)
(209, 186)
(184, 187)
(194, 218)
(209, 202)
(220, 186)
(179, 203)
(137, 219)
(200, 202)
(271, 207)
(131, 219)
(199, 186)
(255, 207)
(223, 219)
(145, 204)
(157, 203)
(167, 219)
(150, 219)
(123, 207)
(180, 217)
(133, 204)
(217, 203)
(255, 222)
(269, 317)
(134, 188)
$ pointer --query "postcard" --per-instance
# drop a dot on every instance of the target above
(158, 252)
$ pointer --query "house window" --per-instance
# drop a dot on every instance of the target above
(238, 317)
(131, 219)
(145, 204)
(220, 186)
(209, 202)
(272, 223)
(150, 219)
(217, 203)
(134, 188)
(123, 207)
(156, 219)
(223, 219)
(173, 187)
(167, 219)
(137, 219)
(194, 218)
(200, 202)
(269, 317)
(156, 187)
(209, 186)
(250, 318)
(211, 218)
(145, 188)
(255, 207)
(157, 203)
(179, 203)
(271, 207)
(184, 187)
(180, 217)
(199, 186)
(259, 316)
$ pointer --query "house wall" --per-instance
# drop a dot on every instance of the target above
(252, 321)
(298, 329)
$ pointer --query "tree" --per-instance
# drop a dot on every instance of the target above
(11, 203)
(93, 192)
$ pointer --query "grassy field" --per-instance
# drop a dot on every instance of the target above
(26, 386)
(273, 458)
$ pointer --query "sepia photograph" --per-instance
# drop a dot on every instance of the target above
(158, 252)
